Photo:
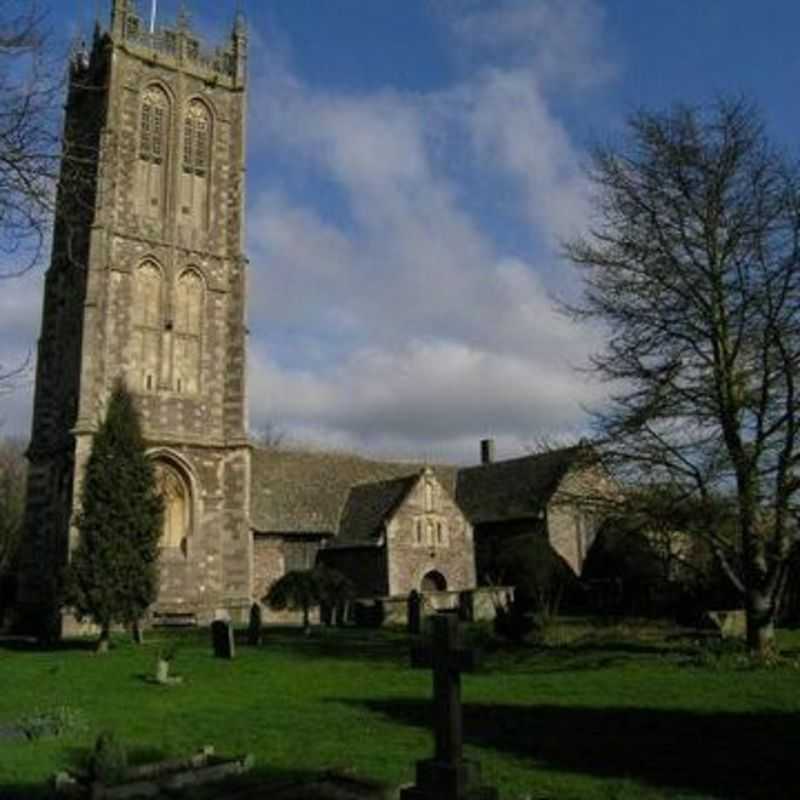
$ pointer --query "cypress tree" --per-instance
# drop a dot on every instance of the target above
(113, 572)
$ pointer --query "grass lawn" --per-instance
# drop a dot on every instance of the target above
(600, 712)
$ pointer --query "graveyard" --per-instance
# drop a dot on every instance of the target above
(592, 710)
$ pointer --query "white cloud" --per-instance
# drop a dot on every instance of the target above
(424, 398)
(20, 309)
(386, 313)
(514, 130)
(560, 41)
(408, 328)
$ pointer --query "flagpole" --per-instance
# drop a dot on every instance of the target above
(153, 16)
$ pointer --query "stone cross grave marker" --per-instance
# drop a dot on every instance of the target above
(447, 776)
(222, 638)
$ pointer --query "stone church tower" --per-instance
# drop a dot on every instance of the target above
(148, 283)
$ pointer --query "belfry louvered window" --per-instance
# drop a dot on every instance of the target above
(154, 124)
(196, 136)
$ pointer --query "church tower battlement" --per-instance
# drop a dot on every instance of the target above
(148, 282)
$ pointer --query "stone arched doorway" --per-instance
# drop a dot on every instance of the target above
(433, 581)
(177, 521)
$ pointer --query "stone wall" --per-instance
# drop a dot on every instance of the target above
(575, 512)
(429, 534)
(484, 603)
(158, 299)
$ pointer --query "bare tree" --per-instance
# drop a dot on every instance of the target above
(693, 269)
(31, 87)
(270, 436)
(13, 470)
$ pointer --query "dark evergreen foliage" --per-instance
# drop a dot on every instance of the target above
(304, 589)
(113, 574)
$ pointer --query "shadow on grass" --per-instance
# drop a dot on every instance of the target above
(362, 644)
(24, 644)
(253, 785)
(726, 755)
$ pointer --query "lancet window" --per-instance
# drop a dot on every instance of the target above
(197, 136)
(189, 305)
(154, 128)
(176, 522)
(148, 314)
(196, 139)
(154, 125)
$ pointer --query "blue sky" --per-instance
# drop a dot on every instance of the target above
(412, 167)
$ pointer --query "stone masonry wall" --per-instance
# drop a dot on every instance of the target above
(575, 512)
(184, 363)
(414, 545)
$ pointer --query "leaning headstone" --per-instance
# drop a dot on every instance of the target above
(448, 775)
(222, 638)
(254, 629)
(414, 612)
(466, 606)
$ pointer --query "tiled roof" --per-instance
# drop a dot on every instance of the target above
(306, 492)
(295, 492)
(513, 489)
(368, 505)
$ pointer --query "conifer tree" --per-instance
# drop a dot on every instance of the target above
(113, 572)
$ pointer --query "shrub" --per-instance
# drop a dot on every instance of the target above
(109, 761)
(56, 722)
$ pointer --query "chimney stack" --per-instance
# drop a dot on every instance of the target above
(487, 451)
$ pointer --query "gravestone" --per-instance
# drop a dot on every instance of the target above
(729, 623)
(448, 775)
(414, 612)
(222, 638)
(255, 628)
(466, 606)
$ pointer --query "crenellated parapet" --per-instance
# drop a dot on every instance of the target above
(179, 47)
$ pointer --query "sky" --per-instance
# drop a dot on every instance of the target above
(413, 167)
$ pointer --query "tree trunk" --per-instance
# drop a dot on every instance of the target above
(104, 640)
(306, 622)
(137, 633)
(760, 623)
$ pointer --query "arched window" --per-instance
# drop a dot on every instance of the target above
(176, 523)
(147, 325)
(189, 306)
(196, 136)
(196, 163)
(154, 127)
(429, 497)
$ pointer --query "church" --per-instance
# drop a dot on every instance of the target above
(148, 283)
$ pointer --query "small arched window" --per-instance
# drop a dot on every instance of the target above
(429, 497)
